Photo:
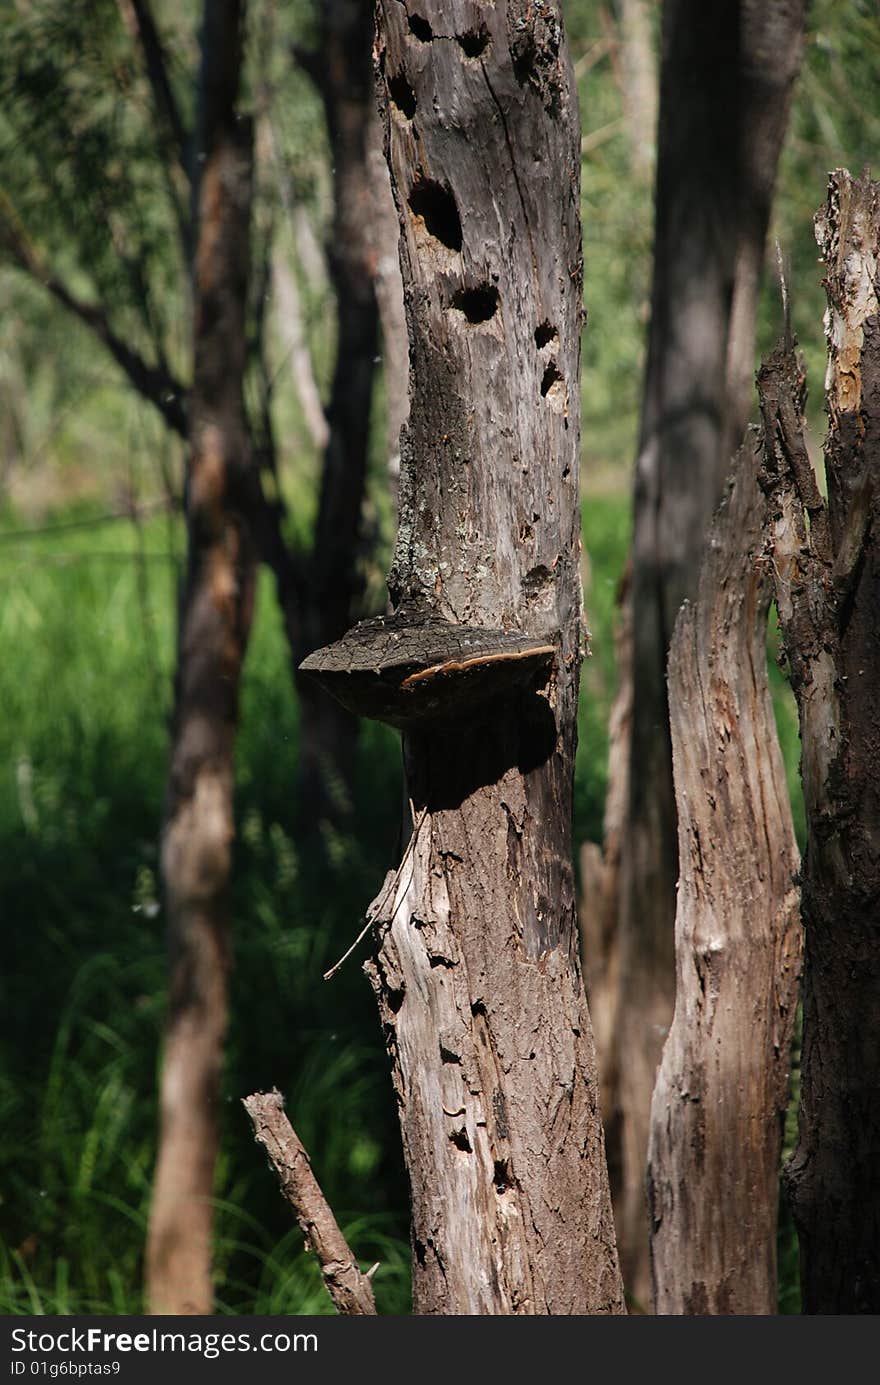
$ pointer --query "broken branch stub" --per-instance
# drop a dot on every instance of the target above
(406, 669)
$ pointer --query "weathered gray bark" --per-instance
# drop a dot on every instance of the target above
(477, 975)
(214, 621)
(350, 1290)
(726, 77)
(718, 1109)
(825, 557)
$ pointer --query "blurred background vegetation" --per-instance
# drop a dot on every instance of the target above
(90, 555)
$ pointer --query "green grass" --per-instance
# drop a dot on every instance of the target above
(84, 680)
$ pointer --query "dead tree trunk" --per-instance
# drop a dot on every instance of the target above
(726, 77)
(215, 618)
(826, 561)
(477, 976)
(718, 1110)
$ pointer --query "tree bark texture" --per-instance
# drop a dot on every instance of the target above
(477, 975)
(719, 1103)
(726, 77)
(825, 556)
(214, 621)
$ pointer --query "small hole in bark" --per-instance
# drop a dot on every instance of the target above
(478, 1008)
(545, 332)
(536, 580)
(436, 959)
(395, 999)
(402, 94)
(501, 1176)
(460, 1139)
(420, 28)
(479, 304)
(551, 377)
(474, 41)
(447, 1056)
(435, 205)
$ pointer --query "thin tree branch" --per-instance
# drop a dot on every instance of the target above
(173, 137)
(350, 1290)
(154, 383)
(131, 512)
(377, 908)
(157, 71)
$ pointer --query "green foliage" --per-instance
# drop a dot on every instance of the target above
(617, 215)
(78, 162)
(607, 523)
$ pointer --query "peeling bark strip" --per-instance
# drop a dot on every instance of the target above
(719, 1103)
(214, 622)
(351, 1291)
(826, 560)
(477, 975)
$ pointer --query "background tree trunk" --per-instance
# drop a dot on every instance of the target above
(600, 886)
(389, 299)
(477, 976)
(342, 69)
(215, 617)
(638, 83)
(726, 77)
(826, 561)
(718, 1110)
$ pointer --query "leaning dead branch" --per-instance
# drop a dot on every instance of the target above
(350, 1290)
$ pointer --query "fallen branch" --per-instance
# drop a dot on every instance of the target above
(350, 1290)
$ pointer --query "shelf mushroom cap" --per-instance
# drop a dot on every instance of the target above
(410, 668)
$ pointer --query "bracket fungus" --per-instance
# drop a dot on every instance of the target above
(410, 668)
